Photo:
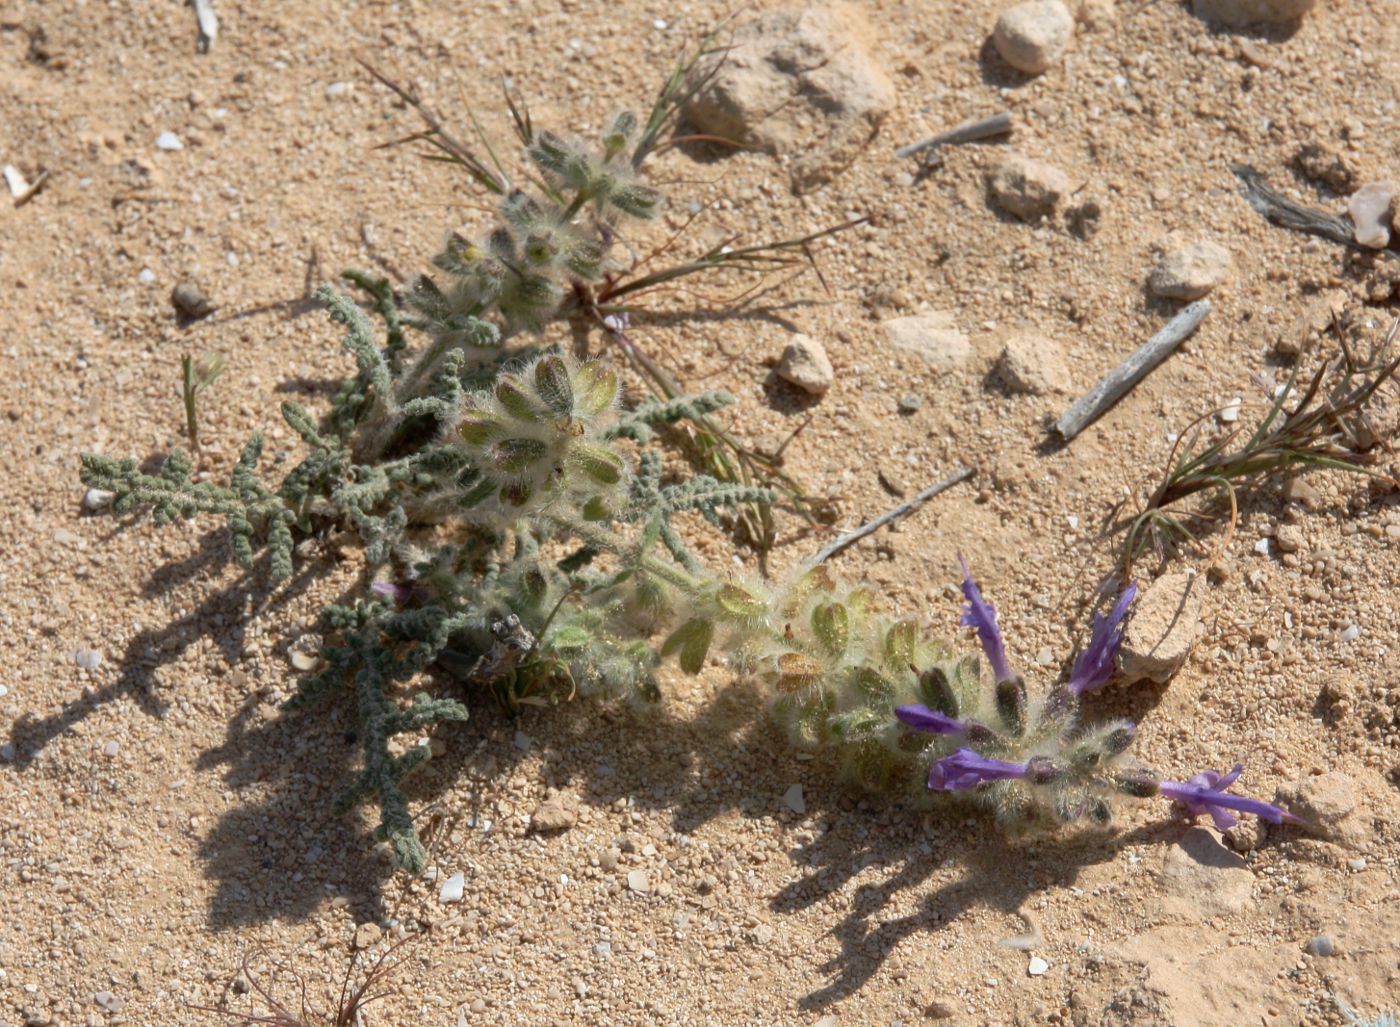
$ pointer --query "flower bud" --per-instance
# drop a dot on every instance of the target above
(602, 465)
(514, 398)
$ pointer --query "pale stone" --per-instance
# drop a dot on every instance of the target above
(1203, 878)
(1032, 364)
(554, 814)
(1371, 208)
(932, 337)
(1025, 187)
(1249, 12)
(1328, 803)
(1189, 270)
(797, 80)
(1034, 35)
(805, 364)
(1162, 628)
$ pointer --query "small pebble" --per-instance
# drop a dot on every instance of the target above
(97, 499)
(1187, 270)
(1322, 946)
(603, 949)
(1357, 864)
(1032, 36)
(111, 749)
(189, 300)
(108, 1001)
(793, 800)
(1247, 12)
(1371, 208)
(804, 363)
(146, 276)
(637, 881)
(1230, 412)
(66, 538)
(452, 888)
(910, 403)
(1026, 188)
(169, 141)
(1037, 967)
(337, 89)
(88, 659)
(1350, 633)
(522, 741)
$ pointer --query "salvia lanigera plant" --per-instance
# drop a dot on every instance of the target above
(519, 534)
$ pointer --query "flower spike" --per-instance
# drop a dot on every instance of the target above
(1207, 793)
(1094, 666)
(966, 769)
(982, 615)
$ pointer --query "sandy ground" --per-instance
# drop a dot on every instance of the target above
(161, 822)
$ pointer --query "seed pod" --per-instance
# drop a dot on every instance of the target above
(901, 642)
(552, 385)
(937, 693)
(1011, 705)
(478, 427)
(514, 397)
(1140, 784)
(739, 603)
(512, 456)
(638, 200)
(516, 493)
(832, 626)
(1119, 739)
(615, 139)
(1041, 770)
(798, 670)
(595, 387)
(872, 684)
(601, 464)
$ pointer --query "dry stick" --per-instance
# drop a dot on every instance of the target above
(846, 541)
(967, 132)
(1118, 382)
(208, 23)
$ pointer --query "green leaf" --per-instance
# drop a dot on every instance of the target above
(692, 640)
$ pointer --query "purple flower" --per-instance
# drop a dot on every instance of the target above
(1094, 666)
(966, 769)
(399, 593)
(1206, 793)
(982, 615)
(921, 718)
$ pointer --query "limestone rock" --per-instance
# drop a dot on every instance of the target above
(1201, 878)
(1161, 628)
(1328, 803)
(1371, 208)
(1187, 270)
(1026, 188)
(1250, 12)
(554, 814)
(1032, 364)
(801, 81)
(1034, 35)
(933, 337)
(805, 364)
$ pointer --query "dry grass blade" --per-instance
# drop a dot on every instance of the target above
(1327, 426)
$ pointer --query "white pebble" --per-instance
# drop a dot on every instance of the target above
(1230, 413)
(793, 800)
(88, 659)
(4, 691)
(1350, 633)
(97, 499)
(111, 749)
(337, 89)
(659, 24)
(1034, 35)
(1262, 547)
(637, 881)
(1037, 966)
(147, 275)
(169, 141)
(452, 888)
